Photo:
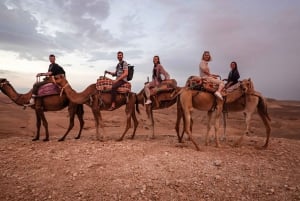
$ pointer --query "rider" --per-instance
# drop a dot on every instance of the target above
(205, 73)
(233, 76)
(54, 71)
(158, 70)
(121, 74)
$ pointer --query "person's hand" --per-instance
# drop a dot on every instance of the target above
(106, 72)
(38, 75)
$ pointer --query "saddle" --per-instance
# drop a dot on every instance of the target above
(201, 84)
(48, 89)
(165, 86)
(104, 84)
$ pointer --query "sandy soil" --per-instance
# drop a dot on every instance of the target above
(141, 169)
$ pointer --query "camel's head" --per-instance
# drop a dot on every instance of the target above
(247, 85)
(60, 81)
(3, 81)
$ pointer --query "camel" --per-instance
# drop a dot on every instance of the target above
(101, 101)
(44, 104)
(192, 99)
(161, 100)
(243, 99)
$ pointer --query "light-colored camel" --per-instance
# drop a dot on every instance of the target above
(102, 101)
(204, 101)
(243, 99)
(161, 100)
(248, 102)
(44, 104)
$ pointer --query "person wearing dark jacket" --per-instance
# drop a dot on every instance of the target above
(233, 76)
(54, 71)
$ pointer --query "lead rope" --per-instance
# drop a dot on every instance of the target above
(62, 89)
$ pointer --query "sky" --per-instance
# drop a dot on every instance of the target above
(262, 36)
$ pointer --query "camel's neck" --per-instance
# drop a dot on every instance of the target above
(82, 97)
(19, 99)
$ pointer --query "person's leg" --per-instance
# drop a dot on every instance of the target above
(35, 89)
(114, 88)
(220, 87)
(147, 92)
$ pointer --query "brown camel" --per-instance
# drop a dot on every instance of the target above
(102, 101)
(243, 99)
(44, 104)
(161, 100)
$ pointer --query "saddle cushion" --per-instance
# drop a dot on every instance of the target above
(201, 84)
(48, 89)
(165, 86)
(104, 84)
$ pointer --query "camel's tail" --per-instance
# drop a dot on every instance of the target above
(263, 108)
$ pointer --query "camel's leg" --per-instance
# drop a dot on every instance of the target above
(80, 113)
(38, 126)
(128, 112)
(217, 126)
(248, 116)
(224, 137)
(135, 122)
(96, 113)
(209, 115)
(74, 109)
(177, 125)
(267, 126)
(152, 123)
(71, 122)
(187, 117)
(45, 124)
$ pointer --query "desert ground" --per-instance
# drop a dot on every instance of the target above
(148, 169)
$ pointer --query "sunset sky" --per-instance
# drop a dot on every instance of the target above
(262, 36)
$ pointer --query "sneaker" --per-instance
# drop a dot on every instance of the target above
(218, 94)
(148, 102)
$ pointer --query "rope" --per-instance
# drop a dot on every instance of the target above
(62, 89)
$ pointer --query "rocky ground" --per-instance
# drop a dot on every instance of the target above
(142, 169)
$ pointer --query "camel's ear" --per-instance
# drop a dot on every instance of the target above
(249, 79)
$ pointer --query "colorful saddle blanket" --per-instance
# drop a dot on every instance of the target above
(201, 84)
(104, 84)
(48, 89)
(165, 86)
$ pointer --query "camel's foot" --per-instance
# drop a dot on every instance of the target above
(218, 145)
(237, 144)
(223, 138)
(35, 139)
(46, 139)
(78, 137)
(152, 137)
(132, 137)
(101, 139)
(61, 139)
(197, 148)
(119, 139)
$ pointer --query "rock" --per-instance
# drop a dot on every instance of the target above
(217, 163)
